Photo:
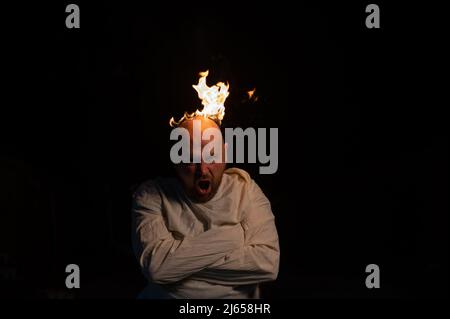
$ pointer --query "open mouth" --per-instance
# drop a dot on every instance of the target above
(203, 187)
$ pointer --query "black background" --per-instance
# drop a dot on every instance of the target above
(363, 149)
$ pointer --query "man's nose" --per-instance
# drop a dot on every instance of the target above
(201, 169)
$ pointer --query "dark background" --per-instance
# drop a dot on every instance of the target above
(363, 150)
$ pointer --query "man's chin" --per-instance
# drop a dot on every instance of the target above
(202, 198)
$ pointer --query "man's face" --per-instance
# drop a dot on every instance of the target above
(200, 180)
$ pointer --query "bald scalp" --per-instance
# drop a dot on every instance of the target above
(201, 141)
(205, 122)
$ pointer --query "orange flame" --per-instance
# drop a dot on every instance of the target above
(252, 96)
(250, 93)
(213, 99)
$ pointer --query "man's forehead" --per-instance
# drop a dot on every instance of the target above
(197, 127)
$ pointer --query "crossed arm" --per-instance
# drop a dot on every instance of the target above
(240, 254)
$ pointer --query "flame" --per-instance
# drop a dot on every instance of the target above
(213, 99)
(250, 93)
(252, 96)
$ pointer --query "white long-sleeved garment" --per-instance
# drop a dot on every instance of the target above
(219, 249)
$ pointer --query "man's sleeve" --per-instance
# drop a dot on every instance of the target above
(258, 259)
(166, 257)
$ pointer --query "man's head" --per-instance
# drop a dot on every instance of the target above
(201, 180)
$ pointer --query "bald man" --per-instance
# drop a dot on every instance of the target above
(208, 232)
